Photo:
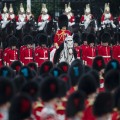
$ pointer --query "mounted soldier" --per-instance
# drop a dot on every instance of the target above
(21, 18)
(4, 16)
(70, 15)
(44, 18)
(107, 18)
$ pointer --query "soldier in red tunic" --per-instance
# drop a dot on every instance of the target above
(13, 53)
(6, 94)
(90, 52)
(29, 15)
(41, 52)
(44, 18)
(86, 19)
(105, 49)
(99, 66)
(63, 32)
(49, 95)
(76, 40)
(75, 106)
(116, 47)
(83, 47)
(103, 106)
(107, 17)
(71, 17)
(11, 13)
(88, 85)
(27, 54)
(116, 110)
(4, 17)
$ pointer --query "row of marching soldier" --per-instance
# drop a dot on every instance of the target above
(87, 51)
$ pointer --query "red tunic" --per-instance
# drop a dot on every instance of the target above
(88, 112)
(5, 54)
(83, 50)
(0, 17)
(1, 57)
(115, 115)
(37, 108)
(105, 52)
(119, 19)
(90, 54)
(101, 89)
(27, 55)
(103, 17)
(84, 17)
(44, 18)
(41, 55)
(116, 52)
(60, 109)
(11, 17)
(72, 19)
(12, 56)
(78, 50)
(60, 36)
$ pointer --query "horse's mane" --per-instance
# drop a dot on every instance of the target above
(59, 50)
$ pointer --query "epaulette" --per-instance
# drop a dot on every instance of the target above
(60, 107)
(38, 104)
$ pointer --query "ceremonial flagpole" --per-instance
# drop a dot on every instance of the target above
(29, 3)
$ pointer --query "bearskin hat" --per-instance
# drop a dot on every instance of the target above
(76, 38)
(75, 71)
(33, 66)
(56, 72)
(87, 68)
(98, 63)
(112, 64)
(62, 21)
(28, 39)
(45, 67)
(95, 74)
(84, 37)
(19, 81)
(105, 38)
(66, 79)
(49, 89)
(62, 88)
(88, 84)
(16, 65)
(13, 41)
(91, 38)
(112, 80)
(6, 90)
(26, 72)
(6, 72)
(64, 66)
(32, 89)
(103, 104)
(75, 104)
(117, 98)
(117, 38)
(21, 107)
(42, 39)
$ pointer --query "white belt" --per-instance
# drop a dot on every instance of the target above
(118, 55)
(12, 60)
(28, 57)
(44, 58)
(106, 56)
(90, 57)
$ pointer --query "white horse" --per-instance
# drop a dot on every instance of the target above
(65, 52)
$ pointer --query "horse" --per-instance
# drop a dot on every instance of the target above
(65, 52)
(91, 28)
